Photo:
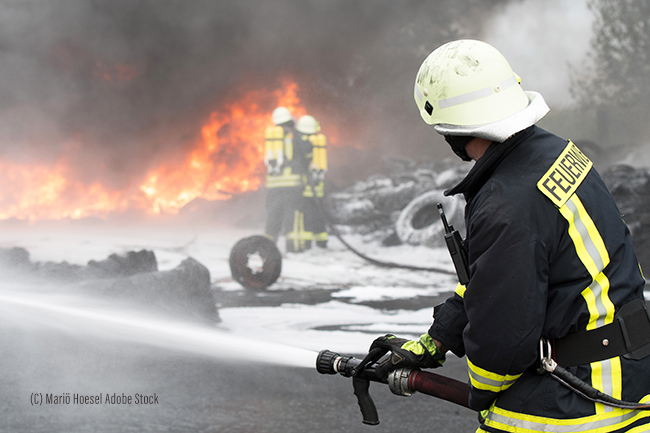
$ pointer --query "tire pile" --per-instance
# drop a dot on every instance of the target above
(400, 206)
(630, 188)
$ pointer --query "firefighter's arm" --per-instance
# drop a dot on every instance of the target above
(449, 322)
(505, 303)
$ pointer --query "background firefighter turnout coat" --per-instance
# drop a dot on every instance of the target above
(549, 255)
(287, 159)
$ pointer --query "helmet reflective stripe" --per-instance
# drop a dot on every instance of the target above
(478, 94)
(417, 92)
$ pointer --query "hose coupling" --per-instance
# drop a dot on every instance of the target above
(399, 382)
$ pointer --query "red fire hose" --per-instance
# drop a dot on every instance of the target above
(439, 386)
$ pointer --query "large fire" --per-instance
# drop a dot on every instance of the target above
(226, 160)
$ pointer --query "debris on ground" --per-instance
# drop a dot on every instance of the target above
(133, 278)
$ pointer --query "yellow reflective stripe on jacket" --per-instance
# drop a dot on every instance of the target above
(600, 423)
(460, 290)
(283, 180)
(488, 381)
(606, 375)
(593, 254)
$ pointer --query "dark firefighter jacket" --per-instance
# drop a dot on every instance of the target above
(549, 255)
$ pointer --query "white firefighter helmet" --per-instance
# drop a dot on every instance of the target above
(281, 115)
(307, 125)
(467, 87)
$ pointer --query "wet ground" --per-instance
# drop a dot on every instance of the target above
(195, 394)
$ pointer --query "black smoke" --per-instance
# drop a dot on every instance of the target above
(122, 84)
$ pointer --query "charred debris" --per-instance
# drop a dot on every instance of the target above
(131, 279)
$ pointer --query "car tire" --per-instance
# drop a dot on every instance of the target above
(255, 262)
(419, 222)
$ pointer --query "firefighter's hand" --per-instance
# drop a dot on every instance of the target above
(422, 353)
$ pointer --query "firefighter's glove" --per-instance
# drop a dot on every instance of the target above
(422, 353)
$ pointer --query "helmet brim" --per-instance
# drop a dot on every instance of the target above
(501, 130)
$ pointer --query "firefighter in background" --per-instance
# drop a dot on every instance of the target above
(314, 181)
(552, 271)
(298, 237)
(283, 177)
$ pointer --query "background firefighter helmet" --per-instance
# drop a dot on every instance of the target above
(281, 115)
(307, 125)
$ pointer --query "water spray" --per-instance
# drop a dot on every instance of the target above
(81, 315)
(402, 382)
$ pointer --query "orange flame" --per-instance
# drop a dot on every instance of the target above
(226, 160)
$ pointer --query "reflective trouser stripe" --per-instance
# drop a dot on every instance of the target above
(488, 381)
(605, 375)
(298, 235)
(319, 187)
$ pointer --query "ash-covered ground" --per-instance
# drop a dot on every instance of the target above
(325, 299)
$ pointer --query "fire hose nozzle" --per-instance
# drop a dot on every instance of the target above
(329, 362)
(325, 362)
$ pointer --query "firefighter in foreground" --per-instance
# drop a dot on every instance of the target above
(551, 262)
(286, 161)
(314, 181)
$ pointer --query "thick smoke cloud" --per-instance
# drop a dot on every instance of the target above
(120, 84)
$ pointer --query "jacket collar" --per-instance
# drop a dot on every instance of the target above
(486, 165)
